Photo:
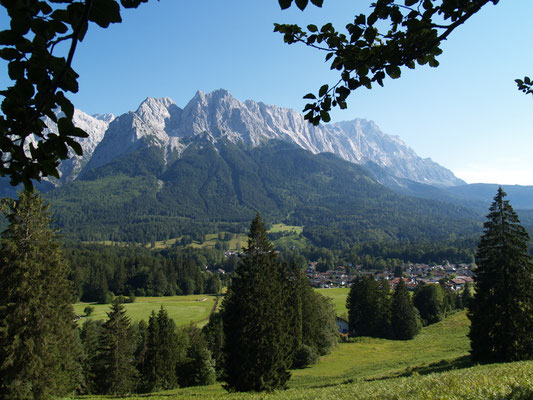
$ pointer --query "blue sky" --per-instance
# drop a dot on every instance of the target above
(466, 114)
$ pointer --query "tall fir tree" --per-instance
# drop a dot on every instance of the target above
(162, 354)
(405, 320)
(40, 351)
(501, 311)
(117, 372)
(256, 321)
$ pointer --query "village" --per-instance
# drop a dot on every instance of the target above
(454, 276)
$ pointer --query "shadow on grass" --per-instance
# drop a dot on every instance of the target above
(440, 366)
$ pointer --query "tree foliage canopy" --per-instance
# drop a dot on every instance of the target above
(366, 53)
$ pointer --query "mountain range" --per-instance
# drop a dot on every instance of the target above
(218, 115)
(163, 171)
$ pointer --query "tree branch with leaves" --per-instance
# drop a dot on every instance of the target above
(41, 78)
(365, 54)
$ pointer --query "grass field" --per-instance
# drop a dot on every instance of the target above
(292, 238)
(338, 297)
(182, 309)
(432, 366)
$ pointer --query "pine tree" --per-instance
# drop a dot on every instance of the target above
(501, 311)
(40, 352)
(90, 337)
(405, 319)
(159, 370)
(118, 374)
(256, 322)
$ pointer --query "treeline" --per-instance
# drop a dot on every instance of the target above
(99, 272)
(377, 311)
(120, 357)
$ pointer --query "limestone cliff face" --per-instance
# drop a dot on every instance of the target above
(218, 115)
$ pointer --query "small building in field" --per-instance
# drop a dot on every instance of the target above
(342, 325)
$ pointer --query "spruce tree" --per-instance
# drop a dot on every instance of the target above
(501, 311)
(40, 352)
(405, 319)
(117, 374)
(256, 322)
(162, 354)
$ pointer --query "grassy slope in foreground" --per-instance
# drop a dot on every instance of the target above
(486, 382)
(369, 369)
(182, 309)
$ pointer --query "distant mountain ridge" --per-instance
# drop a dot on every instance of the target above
(218, 115)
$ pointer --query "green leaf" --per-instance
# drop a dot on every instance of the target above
(393, 71)
(317, 3)
(78, 132)
(65, 126)
(132, 3)
(324, 115)
(284, 4)
(76, 147)
(301, 4)
(10, 54)
(105, 12)
(312, 28)
(310, 96)
(9, 38)
(323, 90)
(409, 3)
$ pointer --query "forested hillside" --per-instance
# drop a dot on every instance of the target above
(140, 198)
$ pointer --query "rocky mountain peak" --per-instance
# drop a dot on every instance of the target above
(218, 115)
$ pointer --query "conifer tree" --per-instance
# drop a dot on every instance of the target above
(313, 319)
(501, 311)
(429, 301)
(198, 367)
(90, 337)
(368, 306)
(40, 352)
(256, 322)
(162, 354)
(214, 336)
(405, 320)
(118, 374)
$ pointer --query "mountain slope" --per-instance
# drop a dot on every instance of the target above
(142, 195)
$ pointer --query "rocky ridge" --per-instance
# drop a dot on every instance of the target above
(218, 115)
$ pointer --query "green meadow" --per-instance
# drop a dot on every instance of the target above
(338, 297)
(291, 237)
(182, 309)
